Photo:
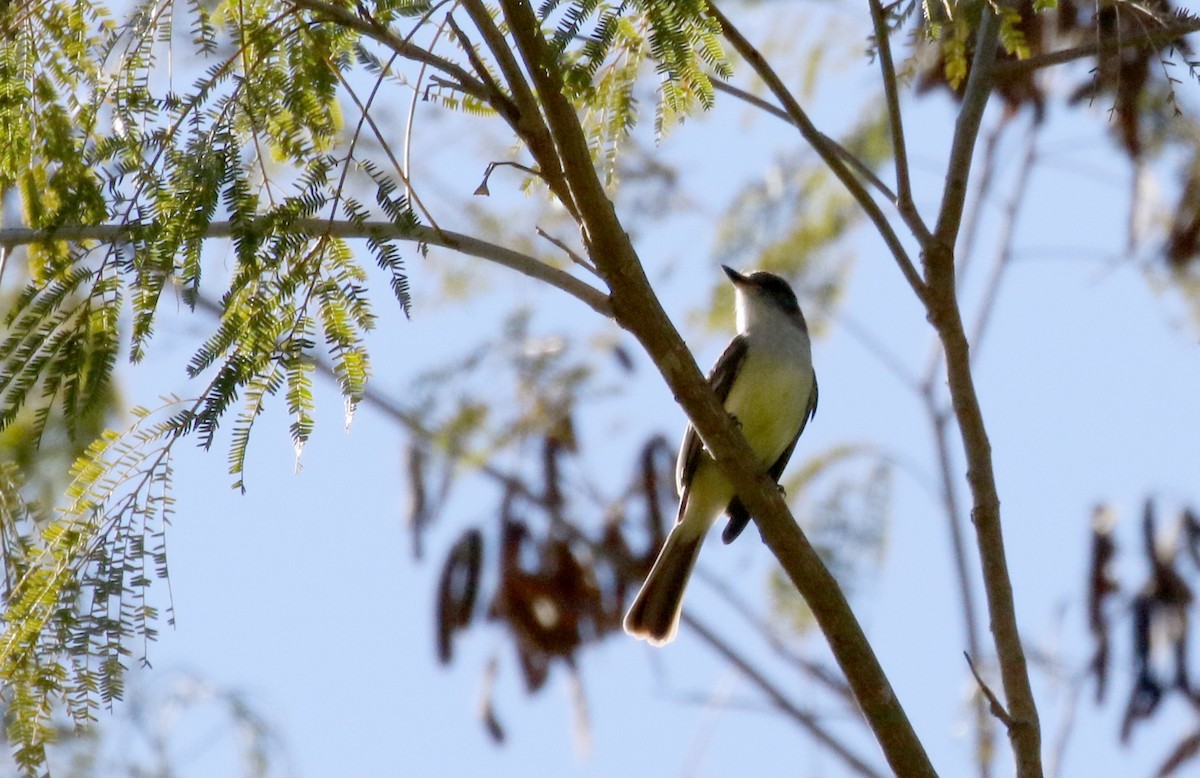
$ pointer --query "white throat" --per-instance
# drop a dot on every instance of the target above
(756, 315)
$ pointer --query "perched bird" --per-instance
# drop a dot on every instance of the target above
(765, 380)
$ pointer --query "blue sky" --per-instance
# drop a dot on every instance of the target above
(302, 594)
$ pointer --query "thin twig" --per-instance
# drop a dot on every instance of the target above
(822, 675)
(482, 189)
(365, 112)
(575, 256)
(904, 199)
(371, 28)
(411, 120)
(340, 188)
(806, 720)
(817, 140)
(846, 155)
(378, 230)
(477, 64)
(993, 702)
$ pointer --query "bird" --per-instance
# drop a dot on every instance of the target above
(765, 380)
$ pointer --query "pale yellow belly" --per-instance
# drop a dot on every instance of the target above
(770, 408)
(769, 401)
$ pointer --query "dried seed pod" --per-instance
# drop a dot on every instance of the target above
(458, 589)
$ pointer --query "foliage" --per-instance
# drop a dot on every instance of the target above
(104, 139)
(76, 586)
(603, 66)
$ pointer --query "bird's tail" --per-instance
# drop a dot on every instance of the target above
(654, 614)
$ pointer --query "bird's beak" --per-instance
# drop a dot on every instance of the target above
(737, 278)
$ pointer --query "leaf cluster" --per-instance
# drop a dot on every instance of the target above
(76, 585)
(97, 136)
(604, 47)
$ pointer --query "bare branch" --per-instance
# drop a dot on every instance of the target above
(944, 313)
(570, 252)
(940, 419)
(839, 149)
(903, 200)
(973, 217)
(966, 130)
(997, 709)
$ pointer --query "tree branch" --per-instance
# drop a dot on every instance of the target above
(984, 735)
(372, 29)
(378, 230)
(1024, 730)
(993, 702)
(966, 131)
(1158, 37)
(637, 309)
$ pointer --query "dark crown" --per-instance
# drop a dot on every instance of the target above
(776, 288)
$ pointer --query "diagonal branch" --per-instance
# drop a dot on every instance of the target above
(806, 720)
(843, 152)
(994, 703)
(816, 139)
(376, 31)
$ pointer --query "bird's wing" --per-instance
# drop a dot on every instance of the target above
(720, 378)
(739, 517)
